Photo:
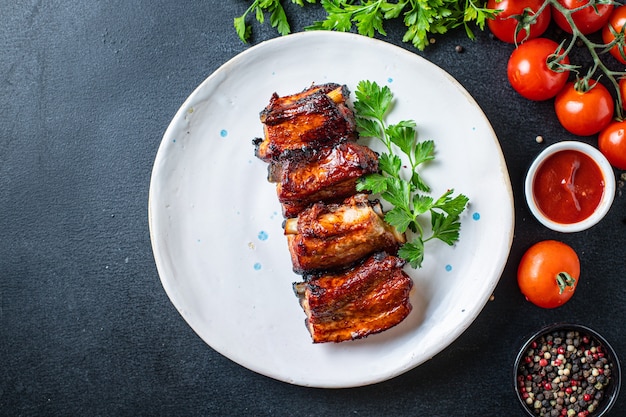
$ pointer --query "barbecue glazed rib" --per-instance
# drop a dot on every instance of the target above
(353, 282)
(329, 175)
(369, 298)
(327, 236)
(315, 118)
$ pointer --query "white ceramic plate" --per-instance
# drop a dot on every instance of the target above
(215, 221)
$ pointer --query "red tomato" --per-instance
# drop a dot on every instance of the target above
(587, 20)
(584, 113)
(617, 21)
(503, 26)
(548, 273)
(612, 144)
(528, 70)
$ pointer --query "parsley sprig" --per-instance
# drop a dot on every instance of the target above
(421, 17)
(278, 18)
(402, 185)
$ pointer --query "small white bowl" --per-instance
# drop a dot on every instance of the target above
(607, 196)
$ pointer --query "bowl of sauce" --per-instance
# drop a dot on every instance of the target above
(570, 186)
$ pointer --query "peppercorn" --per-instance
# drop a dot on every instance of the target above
(564, 374)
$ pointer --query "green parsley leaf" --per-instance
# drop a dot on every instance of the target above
(445, 228)
(398, 192)
(372, 101)
(400, 218)
(424, 152)
(390, 164)
(402, 135)
(243, 30)
(413, 251)
(422, 203)
(336, 18)
(375, 183)
(278, 18)
(369, 19)
(369, 127)
(453, 206)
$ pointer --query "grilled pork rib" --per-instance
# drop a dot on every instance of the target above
(353, 284)
(327, 236)
(369, 298)
(328, 175)
(315, 118)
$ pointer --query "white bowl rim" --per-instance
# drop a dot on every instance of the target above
(607, 196)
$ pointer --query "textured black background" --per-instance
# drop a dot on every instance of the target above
(87, 90)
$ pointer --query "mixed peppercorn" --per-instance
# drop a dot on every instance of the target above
(564, 373)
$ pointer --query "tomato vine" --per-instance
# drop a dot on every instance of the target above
(586, 79)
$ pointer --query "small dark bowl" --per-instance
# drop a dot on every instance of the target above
(611, 390)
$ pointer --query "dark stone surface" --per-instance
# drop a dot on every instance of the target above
(87, 90)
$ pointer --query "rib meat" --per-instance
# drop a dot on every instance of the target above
(327, 236)
(329, 175)
(369, 298)
(353, 283)
(314, 118)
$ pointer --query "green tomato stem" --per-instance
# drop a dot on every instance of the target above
(564, 280)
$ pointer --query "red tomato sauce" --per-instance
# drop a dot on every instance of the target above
(568, 186)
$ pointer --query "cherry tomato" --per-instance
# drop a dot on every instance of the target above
(584, 113)
(587, 20)
(503, 26)
(617, 21)
(528, 70)
(612, 144)
(548, 273)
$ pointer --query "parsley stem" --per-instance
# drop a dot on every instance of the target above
(385, 136)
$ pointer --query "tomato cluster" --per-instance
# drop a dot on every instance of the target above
(539, 69)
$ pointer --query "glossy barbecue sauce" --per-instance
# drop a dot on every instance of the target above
(568, 186)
